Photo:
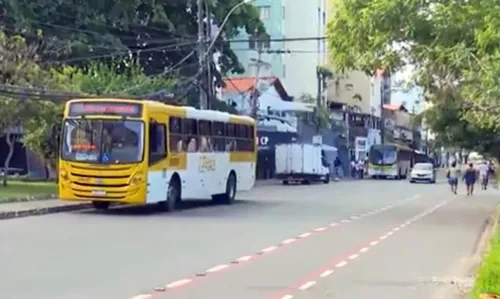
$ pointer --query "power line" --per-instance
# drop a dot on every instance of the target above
(166, 47)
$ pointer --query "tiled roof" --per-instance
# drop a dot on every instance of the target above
(394, 107)
(244, 84)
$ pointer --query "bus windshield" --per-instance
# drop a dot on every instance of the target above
(383, 155)
(103, 141)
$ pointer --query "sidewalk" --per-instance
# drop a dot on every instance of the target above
(48, 206)
(38, 207)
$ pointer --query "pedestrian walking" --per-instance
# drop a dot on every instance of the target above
(337, 165)
(483, 170)
(452, 174)
(470, 177)
(360, 169)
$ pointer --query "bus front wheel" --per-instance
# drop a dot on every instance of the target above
(173, 195)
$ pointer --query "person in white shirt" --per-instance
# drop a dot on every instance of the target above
(483, 170)
(360, 168)
(353, 168)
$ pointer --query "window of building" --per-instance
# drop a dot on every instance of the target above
(265, 12)
(284, 10)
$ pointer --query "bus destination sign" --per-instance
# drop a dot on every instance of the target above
(105, 108)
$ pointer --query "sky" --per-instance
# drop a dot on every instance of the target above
(411, 97)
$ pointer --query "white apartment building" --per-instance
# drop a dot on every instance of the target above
(303, 19)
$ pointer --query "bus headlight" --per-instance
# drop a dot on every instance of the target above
(63, 174)
(138, 178)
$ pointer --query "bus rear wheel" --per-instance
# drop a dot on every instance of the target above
(100, 205)
(229, 196)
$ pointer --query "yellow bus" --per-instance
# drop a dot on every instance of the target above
(142, 152)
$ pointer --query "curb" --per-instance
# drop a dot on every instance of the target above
(44, 211)
(28, 198)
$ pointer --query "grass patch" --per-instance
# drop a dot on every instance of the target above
(16, 189)
(488, 277)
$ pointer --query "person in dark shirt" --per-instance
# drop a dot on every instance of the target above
(470, 177)
(337, 164)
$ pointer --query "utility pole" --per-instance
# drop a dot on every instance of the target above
(201, 51)
(382, 118)
(319, 78)
(254, 99)
(210, 79)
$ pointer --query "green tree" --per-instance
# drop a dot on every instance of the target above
(322, 113)
(453, 46)
(160, 34)
(19, 65)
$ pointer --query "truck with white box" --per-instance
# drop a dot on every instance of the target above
(298, 162)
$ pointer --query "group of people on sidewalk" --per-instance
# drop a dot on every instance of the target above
(357, 169)
(471, 175)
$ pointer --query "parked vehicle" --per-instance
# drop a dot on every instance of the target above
(303, 163)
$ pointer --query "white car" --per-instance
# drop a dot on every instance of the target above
(423, 172)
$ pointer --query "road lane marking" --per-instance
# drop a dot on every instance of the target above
(178, 283)
(307, 285)
(342, 262)
(287, 297)
(245, 258)
(217, 269)
(326, 273)
(269, 249)
(305, 235)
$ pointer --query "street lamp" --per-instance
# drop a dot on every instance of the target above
(226, 19)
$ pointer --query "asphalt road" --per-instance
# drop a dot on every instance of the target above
(375, 239)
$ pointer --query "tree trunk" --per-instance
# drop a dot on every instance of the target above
(10, 140)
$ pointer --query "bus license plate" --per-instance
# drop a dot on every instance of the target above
(98, 192)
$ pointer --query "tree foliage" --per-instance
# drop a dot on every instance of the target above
(160, 33)
(454, 47)
(19, 65)
(322, 113)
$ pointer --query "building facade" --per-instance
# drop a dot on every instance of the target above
(272, 13)
(294, 62)
(304, 19)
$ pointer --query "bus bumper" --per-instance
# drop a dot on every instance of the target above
(134, 195)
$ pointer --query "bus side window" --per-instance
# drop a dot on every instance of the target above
(230, 134)
(205, 132)
(157, 142)
(240, 137)
(219, 133)
(175, 135)
(191, 137)
(251, 145)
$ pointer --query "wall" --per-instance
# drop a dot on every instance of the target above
(345, 87)
(338, 90)
(303, 19)
(375, 95)
(273, 20)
